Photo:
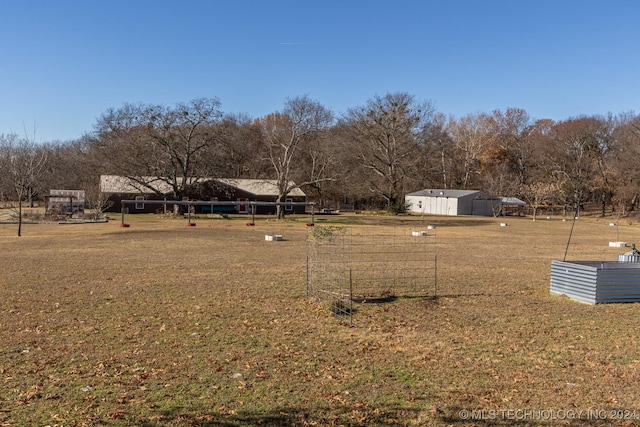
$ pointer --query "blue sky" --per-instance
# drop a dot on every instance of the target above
(65, 62)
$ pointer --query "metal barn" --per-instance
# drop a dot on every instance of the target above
(452, 202)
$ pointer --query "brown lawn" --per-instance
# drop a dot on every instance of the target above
(163, 324)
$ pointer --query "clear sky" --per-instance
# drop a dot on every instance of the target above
(65, 62)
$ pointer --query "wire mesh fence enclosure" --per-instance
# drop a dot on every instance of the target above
(347, 265)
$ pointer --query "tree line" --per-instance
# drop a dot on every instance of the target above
(368, 157)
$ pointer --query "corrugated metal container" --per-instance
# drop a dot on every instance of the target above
(594, 282)
(628, 258)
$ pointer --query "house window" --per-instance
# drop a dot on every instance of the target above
(288, 207)
(139, 205)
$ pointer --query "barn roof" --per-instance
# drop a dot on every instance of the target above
(444, 193)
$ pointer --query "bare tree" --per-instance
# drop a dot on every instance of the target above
(472, 135)
(538, 193)
(437, 159)
(6, 187)
(572, 157)
(346, 188)
(69, 164)
(624, 164)
(97, 201)
(286, 133)
(602, 185)
(155, 145)
(514, 128)
(387, 134)
(242, 154)
(498, 181)
(22, 162)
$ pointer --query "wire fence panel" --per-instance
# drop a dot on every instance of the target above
(328, 283)
(351, 264)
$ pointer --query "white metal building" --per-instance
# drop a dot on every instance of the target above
(452, 202)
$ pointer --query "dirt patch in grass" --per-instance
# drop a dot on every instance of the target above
(164, 324)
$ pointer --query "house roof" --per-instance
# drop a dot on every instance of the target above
(121, 184)
(258, 187)
(444, 193)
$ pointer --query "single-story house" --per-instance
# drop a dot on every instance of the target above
(452, 202)
(213, 190)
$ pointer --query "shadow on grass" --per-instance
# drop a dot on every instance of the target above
(430, 299)
(458, 295)
(388, 415)
(289, 416)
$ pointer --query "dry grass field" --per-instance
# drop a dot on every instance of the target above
(161, 324)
